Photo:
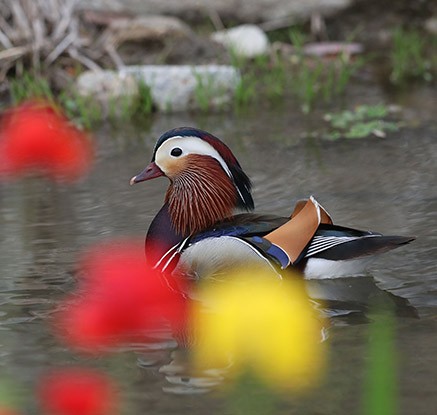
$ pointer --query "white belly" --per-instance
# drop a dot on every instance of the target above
(318, 268)
(214, 257)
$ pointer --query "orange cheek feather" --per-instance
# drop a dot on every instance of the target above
(174, 167)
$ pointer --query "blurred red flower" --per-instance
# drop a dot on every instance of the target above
(76, 391)
(37, 136)
(119, 299)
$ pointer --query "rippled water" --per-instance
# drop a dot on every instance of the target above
(386, 185)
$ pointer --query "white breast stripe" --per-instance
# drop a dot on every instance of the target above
(163, 257)
(178, 251)
(178, 247)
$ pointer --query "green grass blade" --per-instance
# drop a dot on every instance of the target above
(380, 397)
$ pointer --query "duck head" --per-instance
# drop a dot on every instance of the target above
(207, 182)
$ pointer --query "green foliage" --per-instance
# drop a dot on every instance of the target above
(322, 81)
(347, 67)
(306, 85)
(145, 99)
(408, 56)
(10, 393)
(380, 389)
(274, 72)
(296, 38)
(366, 128)
(120, 108)
(126, 107)
(204, 91)
(250, 396)
(83, 111)
(263, 78)
(345, 118)
(29, 86)
(207, 91)
(283, 34)
(362, 122)
(317, 79)
(308, 80)
(245, 91)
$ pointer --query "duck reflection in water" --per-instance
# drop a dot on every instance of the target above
(344, 301)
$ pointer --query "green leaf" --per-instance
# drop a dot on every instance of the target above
(360, 130)
(372, 111)
(381, 392)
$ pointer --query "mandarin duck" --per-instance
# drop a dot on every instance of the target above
(197, 230)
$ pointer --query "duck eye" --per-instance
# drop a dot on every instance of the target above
(176, 152)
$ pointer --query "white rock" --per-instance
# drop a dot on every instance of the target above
(106, 85)
(431, 25)
(173, 87)
(246, 40)
(183, 87)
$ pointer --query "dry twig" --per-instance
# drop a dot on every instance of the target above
(38, 33)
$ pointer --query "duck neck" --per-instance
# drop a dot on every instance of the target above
(200, 197)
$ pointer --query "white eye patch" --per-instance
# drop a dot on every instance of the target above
(188, 145)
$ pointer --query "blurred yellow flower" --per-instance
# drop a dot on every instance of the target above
(257, 323)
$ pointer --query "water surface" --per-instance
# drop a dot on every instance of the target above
(386, 185)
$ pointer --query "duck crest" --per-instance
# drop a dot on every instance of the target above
(200, 196)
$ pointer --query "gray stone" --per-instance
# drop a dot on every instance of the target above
(107, 86)
(173, 87)
(431, 25)
(246, 40)
(184, 87)
(244, 11)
